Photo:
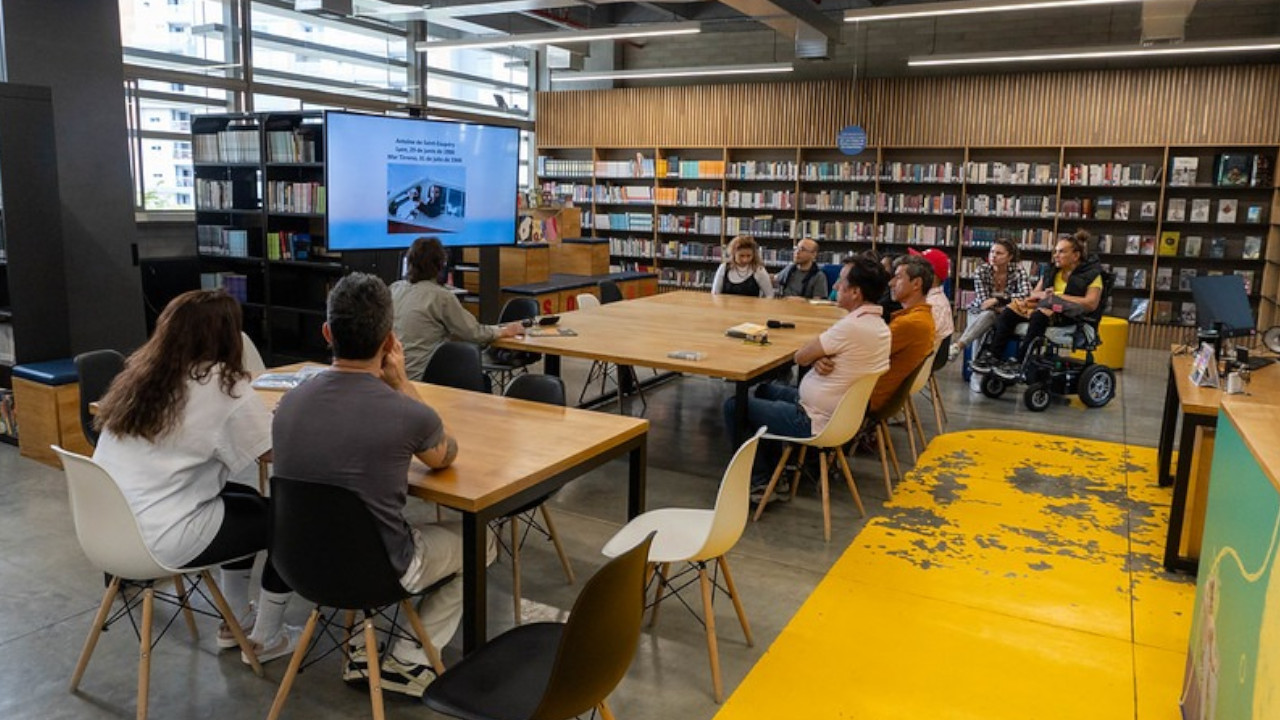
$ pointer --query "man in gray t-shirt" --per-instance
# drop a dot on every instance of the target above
(803, 278)
(359, 425)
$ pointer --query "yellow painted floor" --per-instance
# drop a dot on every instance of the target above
(1014, 575)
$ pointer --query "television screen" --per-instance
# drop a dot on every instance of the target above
(1222, 299)
(390, 180)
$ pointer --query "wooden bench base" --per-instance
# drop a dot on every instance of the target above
(48, 415)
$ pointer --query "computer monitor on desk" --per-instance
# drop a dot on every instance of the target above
(1222, 309)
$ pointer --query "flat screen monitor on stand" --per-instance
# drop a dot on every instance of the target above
(1222, 310)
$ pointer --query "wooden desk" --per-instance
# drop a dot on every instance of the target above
(643, 331)
(1198, 407)
(511, 452)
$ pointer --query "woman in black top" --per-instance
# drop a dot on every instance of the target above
(742, 272)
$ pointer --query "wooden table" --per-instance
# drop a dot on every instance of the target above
(511, 452)
(643, 331)
(1198, 407)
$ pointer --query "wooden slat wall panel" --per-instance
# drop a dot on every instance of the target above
(1179, 106)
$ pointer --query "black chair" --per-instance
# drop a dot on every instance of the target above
(500, 364)
(325, 544)
(935, 394)
(547, 389)
(554, 671)
(457, 364)
(609, 292)
(96, 369)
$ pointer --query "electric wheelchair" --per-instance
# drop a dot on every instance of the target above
(1048, 370)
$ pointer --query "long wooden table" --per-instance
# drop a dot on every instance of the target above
(643, 332)
(1198, 408)
(511, 452)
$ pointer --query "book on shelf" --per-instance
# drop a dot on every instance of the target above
(1122, 210)
(1247, 277)
(1138, 310)
(1191, 246)
(1260, 176)
(1187, 316)
(1252, 247)
(1070, 208)
(1163, 312)
(1182, 170)
(1169, 242)
(1227, 210)
(1200, 210)
(1148, 244)
(1104, 244)
(1184, 278)
(1217, 247)
(1164, 278)
(1177, 211)
(1121, 276)
(1253, 214)
(1104, 208)
(1133, 245)
(1139, 279)
(1234, 169)
(1147, 210)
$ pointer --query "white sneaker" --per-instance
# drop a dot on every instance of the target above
(226, 640)
(284, 643)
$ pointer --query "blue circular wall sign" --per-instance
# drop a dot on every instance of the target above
(852, 140)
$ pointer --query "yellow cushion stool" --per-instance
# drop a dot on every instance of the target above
(1114, 333)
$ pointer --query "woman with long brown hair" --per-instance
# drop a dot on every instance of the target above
(182, 432)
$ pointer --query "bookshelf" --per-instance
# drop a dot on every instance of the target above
(956, 198)
(260, 223)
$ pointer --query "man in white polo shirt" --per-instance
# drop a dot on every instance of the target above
(856, 346)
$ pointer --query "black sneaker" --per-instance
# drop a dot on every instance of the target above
(404, 678)
(983, 363)
(1009, 370)
(781, 493)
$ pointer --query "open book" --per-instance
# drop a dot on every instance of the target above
(287, 380)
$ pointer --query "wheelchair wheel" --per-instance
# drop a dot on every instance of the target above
(993, 386)
(1037, 397)
(1097, 385)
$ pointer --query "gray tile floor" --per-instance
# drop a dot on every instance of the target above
(49, 591)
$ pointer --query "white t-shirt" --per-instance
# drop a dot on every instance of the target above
(859, 345)
(943, 325)
(172, 484)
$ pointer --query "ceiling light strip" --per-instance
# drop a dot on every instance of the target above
(571, 77)
(968, 8)
(1261, 45)
(561, 37)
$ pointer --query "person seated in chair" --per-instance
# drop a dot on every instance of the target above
(359, 425)
(998, 281)
(803, 278)
(855, 346)
(943, 324)
(911, 328)
(182, 434)
(742, 272)
(1073, 294)
(426, 314)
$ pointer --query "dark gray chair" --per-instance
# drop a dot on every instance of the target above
(501, 364)
(609, 292)
(457, 364)
(96, 368)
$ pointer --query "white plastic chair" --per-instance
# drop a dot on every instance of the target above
(912, 414)
(109, 535)
(250, 357)
(698, 537)
(840, 429)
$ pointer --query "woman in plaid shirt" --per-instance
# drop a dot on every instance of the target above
(997, 282)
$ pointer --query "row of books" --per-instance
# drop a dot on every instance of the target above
(1136, 278)
(291, 146)
(940, 204)
(222, 240)
(846, 200)
(846, 171)
(1012, 173)
(233, 145)
(1033, 206)
(696, 224)
(236, 284)
(288, 245)
(1173, 244)
(221, 195)
(1027, 238)
(690, 197)
(695, 279)
(1229, 169)
(558, 167)
(761, 170)
(942, 172)
(835, 231)
(575, 192)
(760, 226)
(674, 167)
(623, 194)
(1106, 207)
(1111, 173)
(638, 167)
(913, 234)
(710, 252)
(1228, 209)
(295, 197)
(633, 247)
(770, 199)
(1163, 312)
(638, 222)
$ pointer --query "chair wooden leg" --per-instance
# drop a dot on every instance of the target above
(555, 540)
(709, 619)
(144, 651)
(826, 496)
(795, 477)
(773, 481)
(433, 653)
(264, 477)
(737, 601)
(375, 668)
(514, 524)
(657, 596)
(907, 411)
(605, 712)
(915, 415)
(893, 453)
(180, 589)
(295, 662)
(90, 642)
(939, 412)
(884, 459)
(233, 623)
(848, 478)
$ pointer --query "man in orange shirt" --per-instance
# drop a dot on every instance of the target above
(911, 327)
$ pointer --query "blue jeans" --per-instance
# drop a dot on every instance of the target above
(777, 407)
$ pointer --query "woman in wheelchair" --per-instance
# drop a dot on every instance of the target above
(1074, 293)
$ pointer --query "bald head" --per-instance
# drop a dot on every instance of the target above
(806, 253)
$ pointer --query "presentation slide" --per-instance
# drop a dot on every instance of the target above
(390, 180)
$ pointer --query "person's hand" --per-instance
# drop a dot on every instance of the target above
(988, 303)
(824, 365)
(393, 372)
(511, 329)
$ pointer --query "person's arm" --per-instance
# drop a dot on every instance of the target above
(1039, 293)
(766, 285)
(810, 352)
(443, 454)
(462, 325)
(717, 285)
(1019, 282)
(983, 280)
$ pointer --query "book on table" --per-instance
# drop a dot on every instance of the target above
(752, 332)
(287, 380)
